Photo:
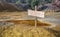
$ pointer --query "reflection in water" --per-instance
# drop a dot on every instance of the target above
(3, 23)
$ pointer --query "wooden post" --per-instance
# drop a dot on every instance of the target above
(35, 17)
(35, 22)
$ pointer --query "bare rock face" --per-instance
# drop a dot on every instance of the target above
(12, 6)
(56, 5)
(1, 6)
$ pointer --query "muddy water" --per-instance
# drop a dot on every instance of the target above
(28, 22)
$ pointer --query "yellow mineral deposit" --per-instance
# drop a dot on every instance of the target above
(17, 31)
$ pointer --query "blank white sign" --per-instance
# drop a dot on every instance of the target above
(36, 13)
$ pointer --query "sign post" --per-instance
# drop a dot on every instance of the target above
(35, 17)
(36, 14)
(35, 21)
